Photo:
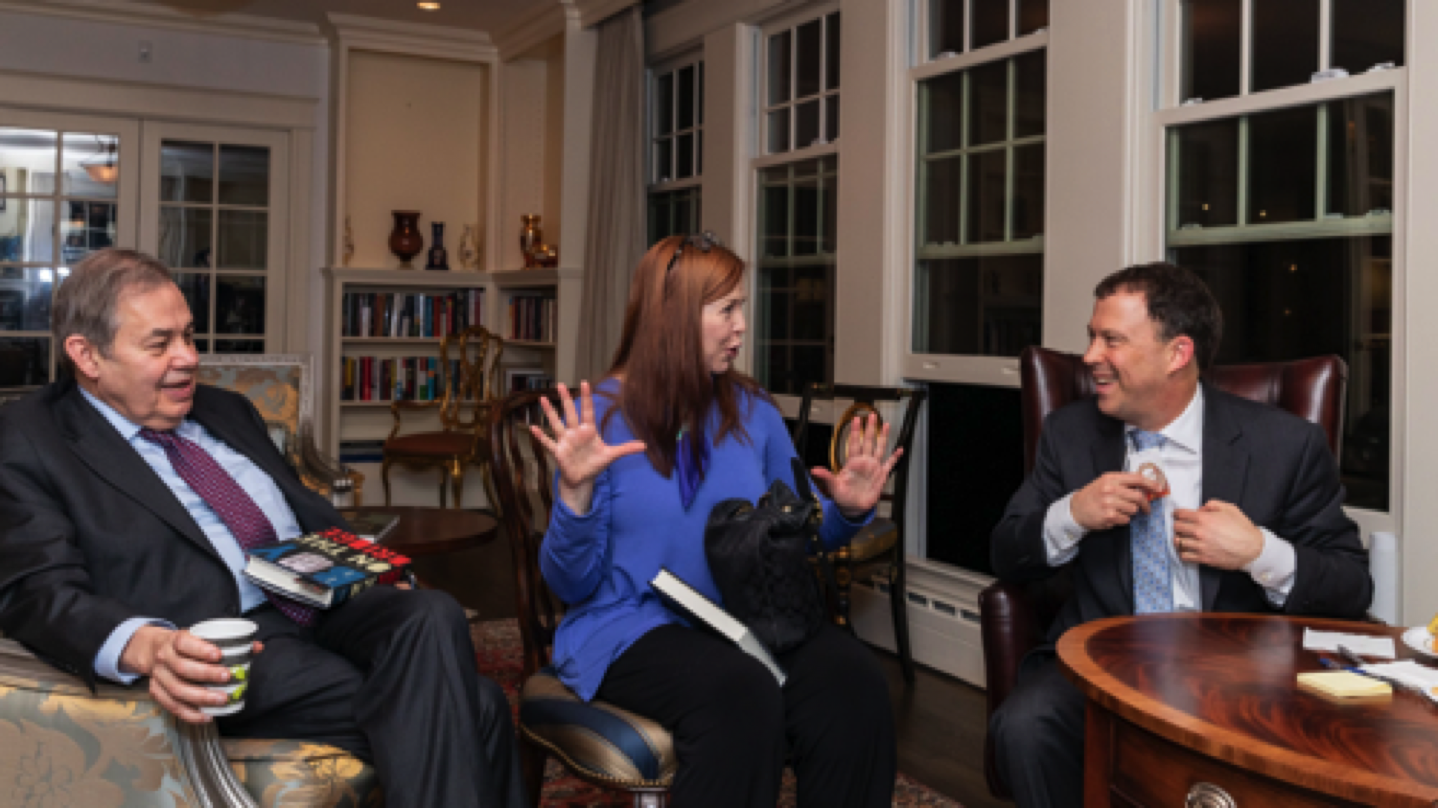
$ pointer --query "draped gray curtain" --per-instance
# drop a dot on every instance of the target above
(616, 190)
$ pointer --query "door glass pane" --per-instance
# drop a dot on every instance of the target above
(244, 175)
(1360, 156)
(941, 98)
(1207, 172)
(686, 98)
(806, 124)
(244, 239)
(239, 304)
(808, 61)
(195, 287)
(1367, 33)
(780, 67)
(27, 226)
(89, 226)
(187, 172)
(990, 305)
(946, 27)
(1030, 96)
(185, 239)
(1033, 15)
(1028, 202)
(1283, 155)
(90, 165)
(664, 104)
(990, 21)
(27, 156)
(986, 196)
(989, 103)
(940, 202)
(1285, 43)
(24, 361)
(1212, 43)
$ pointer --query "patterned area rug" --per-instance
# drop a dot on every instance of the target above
(499, 659)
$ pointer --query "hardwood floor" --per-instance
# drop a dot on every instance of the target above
(940, 720)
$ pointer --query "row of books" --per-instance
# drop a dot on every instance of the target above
(394, 378)
(410, 314)
(521, 380)
(531, 317)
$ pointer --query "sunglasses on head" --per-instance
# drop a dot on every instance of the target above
(705, 241)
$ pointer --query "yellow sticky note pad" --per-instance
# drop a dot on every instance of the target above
(1344, 684)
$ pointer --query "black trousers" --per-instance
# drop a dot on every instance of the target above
(390, 676)
(1038, 735)
(733, 725)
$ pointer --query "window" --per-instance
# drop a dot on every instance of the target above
(801, 88)
(1287, 209)
(674, 213)
(59, 201)
(981, 154)
(676, 150)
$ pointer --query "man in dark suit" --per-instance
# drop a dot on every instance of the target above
(110, 546)
(1246, 515)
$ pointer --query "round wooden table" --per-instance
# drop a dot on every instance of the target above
(435, 531)
(1175, 701)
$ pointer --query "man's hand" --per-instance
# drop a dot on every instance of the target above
(178, 663)
(1112, 500)
(1218, 535)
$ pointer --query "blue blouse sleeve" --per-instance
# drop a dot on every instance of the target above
(575, 554)
(768, 425)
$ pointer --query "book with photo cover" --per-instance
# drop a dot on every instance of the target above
(324, 569)
(703, 613)
(369, 524)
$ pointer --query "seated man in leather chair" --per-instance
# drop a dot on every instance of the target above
(127, 492)
(1252, 519)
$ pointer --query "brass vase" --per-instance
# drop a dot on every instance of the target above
(530, 237)
(405, 240)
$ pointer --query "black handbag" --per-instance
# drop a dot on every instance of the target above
(759, 556)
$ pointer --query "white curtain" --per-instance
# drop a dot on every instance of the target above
(616, 190)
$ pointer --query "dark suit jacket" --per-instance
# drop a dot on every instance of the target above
(1273, 465)
(91, 536)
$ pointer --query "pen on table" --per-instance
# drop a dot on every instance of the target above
(1356, 664)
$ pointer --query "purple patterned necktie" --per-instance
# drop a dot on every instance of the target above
(250, 526)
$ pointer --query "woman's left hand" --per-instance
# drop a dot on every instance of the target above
(856, 488)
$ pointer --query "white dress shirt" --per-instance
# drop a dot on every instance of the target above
(1182, 459)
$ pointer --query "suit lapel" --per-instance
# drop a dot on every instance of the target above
(1225, 470)
(1108, 452)
(101, 448)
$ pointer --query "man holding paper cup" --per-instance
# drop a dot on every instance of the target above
(1162, 493)
(128, 494)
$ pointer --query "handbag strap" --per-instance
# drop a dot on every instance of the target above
(816, 546)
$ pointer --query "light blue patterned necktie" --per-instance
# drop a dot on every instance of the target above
(1152, 587)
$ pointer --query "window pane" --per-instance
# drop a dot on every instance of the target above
(659, 224)
(941, 98)
(699, 108)
(699, 152)
(806, 218)
(831, 51)
(1367, 33)
(811, 300)
(1360, 155)
(1028, 201)
(806, 124)
(967, 421)
(1282, 160)
(794, 324)
(988, 103)
(941, 188)
(195, 286)
(1291, 299)
(27, 156)
(239, 305)
(187, 172)
(185, 236)
(24, 361)
(664, 160)
(25, 298)
(1030, 97)
(664, 104)
(779, 130)
(27, 225)
(1033, 15)
(989, 306)
(986, 196)
(990, 19)
(247, 346)
(1207, 171)
(684, 157)
(946, 27)
(90, 165)
(686, 97)
(780, 68)
(829, 205)
(89, 226)
(682, 215)
(808, 63)
(1212, 42)
(1285, 43)
(244, 175)
(774, 219)
(831, 118)
(244, 239)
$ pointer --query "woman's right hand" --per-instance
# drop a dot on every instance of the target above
(577, 447)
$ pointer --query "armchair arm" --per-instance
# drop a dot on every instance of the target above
(345, 484)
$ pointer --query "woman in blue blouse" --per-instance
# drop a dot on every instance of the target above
(673, 431)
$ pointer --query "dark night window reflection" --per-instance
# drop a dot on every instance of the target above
(1207, 155)
(1285, 43)
(1211, 48)
(1367, 33)
(990, 306)
(1283, 150)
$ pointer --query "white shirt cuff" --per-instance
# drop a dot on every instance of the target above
(1275, 567)
(107, 661)
(1062, 533)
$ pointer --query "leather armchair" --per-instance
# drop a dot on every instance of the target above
(1015, 617)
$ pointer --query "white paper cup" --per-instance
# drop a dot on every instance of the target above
(235, 638)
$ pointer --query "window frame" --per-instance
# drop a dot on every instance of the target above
(653, 183)
(792, 24)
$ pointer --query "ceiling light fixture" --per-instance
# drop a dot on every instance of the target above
(101, 166)
(429, 6)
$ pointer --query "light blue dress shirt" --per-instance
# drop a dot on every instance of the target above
(255, 482)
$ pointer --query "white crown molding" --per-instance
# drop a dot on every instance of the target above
(593, 12)
(128, 12)
(545, 22)
(437, 41)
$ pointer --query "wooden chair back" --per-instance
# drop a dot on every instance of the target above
(478, 352)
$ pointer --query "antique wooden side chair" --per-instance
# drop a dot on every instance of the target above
(598, 742)
(878, 549)
(460, 441)
(1015, 617)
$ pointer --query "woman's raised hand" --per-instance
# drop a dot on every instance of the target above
(857, 486)
(578, 448)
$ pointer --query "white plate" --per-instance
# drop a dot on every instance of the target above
(1421, 641)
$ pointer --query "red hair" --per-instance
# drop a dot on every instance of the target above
(667, 383)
